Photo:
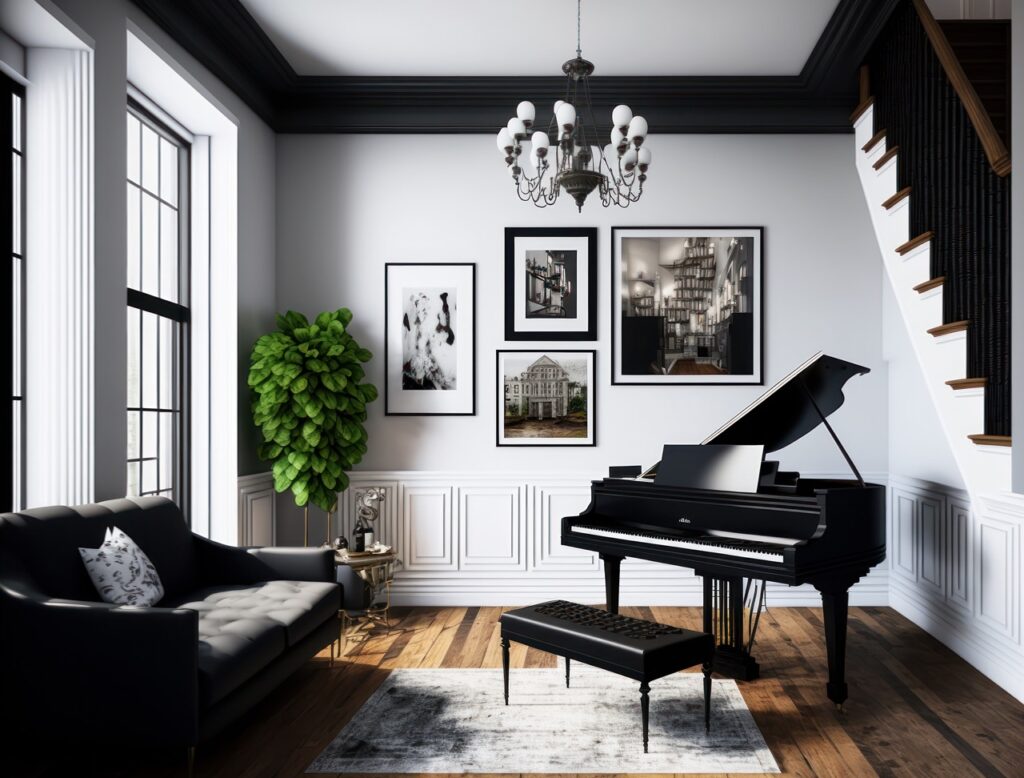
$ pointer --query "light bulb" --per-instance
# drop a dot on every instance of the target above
(505, 141)
(621, 116)
(566, 116)
(517, 128)
(643, 157)
(637, 129)
(629, 160)
(558, 103)
(540, 140)
(526, 112)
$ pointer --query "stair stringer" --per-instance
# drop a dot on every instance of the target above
(984, 469)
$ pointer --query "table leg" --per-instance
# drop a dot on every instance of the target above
(504, 664)
(645, 703)
(567, 672)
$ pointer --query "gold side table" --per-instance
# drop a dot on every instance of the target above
(378, 572)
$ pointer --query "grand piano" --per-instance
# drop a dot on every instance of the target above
(791, 530)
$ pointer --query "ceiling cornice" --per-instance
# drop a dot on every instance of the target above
(228, 41)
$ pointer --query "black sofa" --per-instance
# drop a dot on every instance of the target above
(233, 623)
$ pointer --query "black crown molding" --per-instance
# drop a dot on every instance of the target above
(224, 37)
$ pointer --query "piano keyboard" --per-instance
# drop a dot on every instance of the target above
(714, 545)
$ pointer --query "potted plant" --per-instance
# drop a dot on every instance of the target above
(309, 402)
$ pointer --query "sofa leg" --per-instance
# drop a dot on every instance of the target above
(191, 761)
(332, 654)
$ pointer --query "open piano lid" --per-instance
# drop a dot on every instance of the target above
(787, 412)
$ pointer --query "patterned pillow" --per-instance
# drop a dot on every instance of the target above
(121, 571)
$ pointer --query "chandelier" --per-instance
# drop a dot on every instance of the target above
(617, 171)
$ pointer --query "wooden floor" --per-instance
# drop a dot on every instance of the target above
(915, 708)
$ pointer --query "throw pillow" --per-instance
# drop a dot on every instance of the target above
(121, 571)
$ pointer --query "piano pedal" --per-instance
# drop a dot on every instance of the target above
(840, 708)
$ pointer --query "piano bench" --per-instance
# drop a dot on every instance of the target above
(637, 649)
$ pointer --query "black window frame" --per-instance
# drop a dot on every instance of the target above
(14, 402)
(177, 312)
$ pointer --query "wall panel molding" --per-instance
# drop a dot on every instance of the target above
(257, 513)
(966, 592)
(494, 538)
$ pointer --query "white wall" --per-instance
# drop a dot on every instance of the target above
(107, 23)
(348, 204)
(917, 444)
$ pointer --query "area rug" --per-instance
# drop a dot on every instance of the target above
(454, 721)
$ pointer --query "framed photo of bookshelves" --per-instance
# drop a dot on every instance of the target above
(687, 305)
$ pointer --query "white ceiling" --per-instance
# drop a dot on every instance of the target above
(534, 37)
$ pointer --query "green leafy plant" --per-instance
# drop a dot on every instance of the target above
(309, 403)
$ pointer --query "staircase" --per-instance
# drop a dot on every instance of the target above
(934, 173)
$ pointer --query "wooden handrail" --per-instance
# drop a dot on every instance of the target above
(995, 150)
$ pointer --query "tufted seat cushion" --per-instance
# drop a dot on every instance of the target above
(242, 629)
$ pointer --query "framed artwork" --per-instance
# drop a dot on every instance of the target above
(687, 305)
(550, 283)
(430, 339)
(546, 398)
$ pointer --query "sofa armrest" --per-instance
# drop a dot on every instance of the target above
(99, 670)
(298, 564)
(221, 564)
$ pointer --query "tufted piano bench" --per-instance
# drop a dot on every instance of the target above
(637, 649)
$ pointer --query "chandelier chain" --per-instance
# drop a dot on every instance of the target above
(579, 14)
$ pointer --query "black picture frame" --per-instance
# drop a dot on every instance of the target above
(589, 441)
(390, 269)
(757, 293)
(513, 301)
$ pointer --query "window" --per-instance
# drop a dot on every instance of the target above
(12, 136)
(158, 312)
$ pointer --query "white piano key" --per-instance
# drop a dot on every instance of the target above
(709, 546)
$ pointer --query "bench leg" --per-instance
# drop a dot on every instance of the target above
(504, 664)
(567, 672)
(707, 697)
(645, 703)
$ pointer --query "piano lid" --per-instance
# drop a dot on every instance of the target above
(786, 412)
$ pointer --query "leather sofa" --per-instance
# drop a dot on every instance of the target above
(233, 623)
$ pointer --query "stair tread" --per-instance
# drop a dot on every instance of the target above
(889, 154)
(875, 140)
(914, 242)
(931, 283)
(947, 329)
(967, 383)
(991, 440)
(896, 198)
(860, 109)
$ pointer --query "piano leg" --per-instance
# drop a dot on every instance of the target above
(611, 581)
(834, 600)
(723, 598)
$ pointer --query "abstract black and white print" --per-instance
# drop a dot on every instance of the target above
(429, 339)
(429, 327)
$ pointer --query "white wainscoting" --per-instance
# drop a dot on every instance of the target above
(495, 539)
(257, 515)
(956, 572)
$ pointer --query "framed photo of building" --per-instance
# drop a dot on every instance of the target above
(546, 398)
(430, 339)
(687, 305)
(550, 283)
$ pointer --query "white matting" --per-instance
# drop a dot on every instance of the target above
(454, 721)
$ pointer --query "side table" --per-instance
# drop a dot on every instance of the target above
(377, 571)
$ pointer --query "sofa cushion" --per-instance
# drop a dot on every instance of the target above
(242, 629)
(121, 571)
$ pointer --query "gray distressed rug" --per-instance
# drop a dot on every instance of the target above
(454, 721)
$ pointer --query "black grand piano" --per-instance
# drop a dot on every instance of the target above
(791, 530)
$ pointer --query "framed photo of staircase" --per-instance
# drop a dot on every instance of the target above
(687, 305)
(550, 283)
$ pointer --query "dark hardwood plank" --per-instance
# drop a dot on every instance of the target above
(915, 707)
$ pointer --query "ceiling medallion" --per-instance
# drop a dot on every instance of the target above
(617, 171)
